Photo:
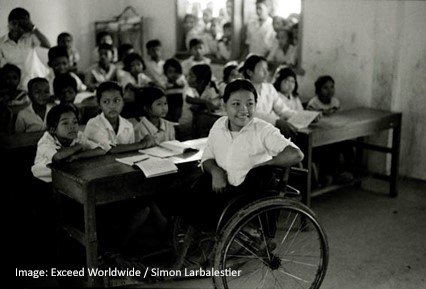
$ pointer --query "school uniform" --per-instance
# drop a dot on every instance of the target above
(260, 37)
(292, 102)
(154, 70)
(47, 147)
(144, 127)
(190, 62)
(100, 131)
(95, 75)
(270, 107)
(28, 120)
(80, 85)
(124, 78)
(317, 105)
(278, 55)
(236, 153)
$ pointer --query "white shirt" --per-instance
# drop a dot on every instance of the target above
(47, 147)
(277, 54)
(209, 93)
(316, 104)
(17, 52)
(95, 75)
(260, 37)
(166, 131)
(125, 77)
(28, 120)
(255, 143)
(190, 62)
(154, 70)
(100, 131)
(80, 85)
(270, 106)
(292, 101)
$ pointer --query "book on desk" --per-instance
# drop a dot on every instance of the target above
(151, 166)
(168, 149)
(304, 118)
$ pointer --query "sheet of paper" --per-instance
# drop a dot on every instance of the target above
(153, 167)
(303, 118)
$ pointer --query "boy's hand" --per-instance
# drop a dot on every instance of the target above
(219, 181)
(149, 141)
(72, 158)
(26, 24)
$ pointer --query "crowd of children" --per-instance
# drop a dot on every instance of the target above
(165, 94)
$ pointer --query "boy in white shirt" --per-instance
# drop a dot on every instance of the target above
(112, 132)
(240, 154)
(154, 64)
(196, 47)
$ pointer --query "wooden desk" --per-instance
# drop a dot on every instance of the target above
(102, 180)
(351, 124)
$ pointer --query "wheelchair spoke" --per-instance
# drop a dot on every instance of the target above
(263, 237)
(293, 276)
(251, 252)
(288, 232)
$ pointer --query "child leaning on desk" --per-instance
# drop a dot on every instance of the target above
(115, 134)
(62, 141)
(240, 154)
(153, 124)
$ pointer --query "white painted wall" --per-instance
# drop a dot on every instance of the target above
(375, 50)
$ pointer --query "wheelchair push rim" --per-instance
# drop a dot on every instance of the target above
(275, 243)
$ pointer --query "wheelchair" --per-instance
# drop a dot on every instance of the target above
(269, 242)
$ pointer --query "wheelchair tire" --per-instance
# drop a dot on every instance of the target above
(271, 243)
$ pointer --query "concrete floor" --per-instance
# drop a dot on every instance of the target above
(376, 242)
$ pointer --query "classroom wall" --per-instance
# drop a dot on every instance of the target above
(375, 50)
(78, 18)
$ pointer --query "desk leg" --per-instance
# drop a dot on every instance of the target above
(396, 140)
(306, 147)
(91, 239)
(359, 155)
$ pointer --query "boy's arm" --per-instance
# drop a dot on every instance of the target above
(87, 154)
(66, 152)
(44, 42)
(219, 177)
(146, 142)
(289, 156)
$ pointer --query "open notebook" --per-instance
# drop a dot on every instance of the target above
(150, 166)
(303, 118)
(168, 149)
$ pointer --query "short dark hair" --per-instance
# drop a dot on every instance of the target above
(18, 13)
(282, 74)
(102, 34)
(153, 43)
(227, 71)
(202, 72)
(108, 86)
(239, 84)
(151, 94)
(321, 81)
(227, 25)
(123, 48)
(62, 35)
(194, 42)
(63, 81)
(54, 114)
(251, 62)
(56, 52)
(130, 58)
(106, 46)
(34, 81)
(9, 67)
(172, 62)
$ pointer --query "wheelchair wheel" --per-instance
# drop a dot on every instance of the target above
(271, 243)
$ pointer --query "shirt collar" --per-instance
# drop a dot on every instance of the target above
(247, 127)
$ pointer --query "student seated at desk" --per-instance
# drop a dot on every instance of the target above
(334, 161)
(62, 141)
(33, 117)
(200, 95)
(112, 132)
(240, 155)
(153, 123)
